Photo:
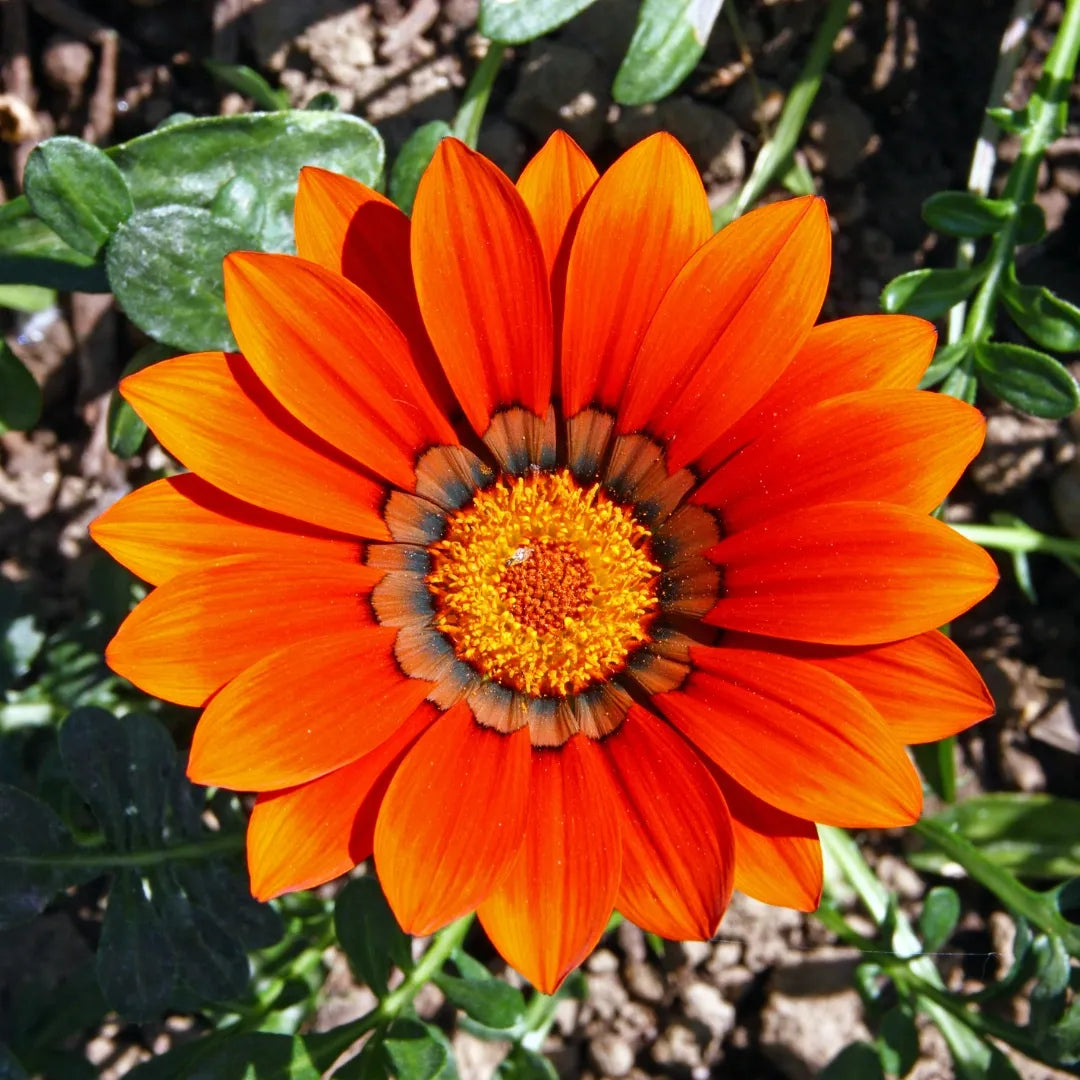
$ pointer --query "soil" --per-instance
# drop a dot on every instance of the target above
(896, 119)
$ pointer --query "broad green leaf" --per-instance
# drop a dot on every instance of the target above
(859, 1061)
(1027, 379)
(77, 191)
(32, 254)
(1048, 320)
(135, 962)
(227, 899)
(418, 1051)
(28, 298)
(250, 83)
(1032, 835)
(963, 213)
(930, 293)
(369, 933)
(523, 1064)
(945, 359)
(939, 916)
(256, 1055)
(174, 290)
(20, 395)
(490, 1002)
(515, 21)
(898, 1042)
(412, 160)
(668, 41)
(31, 833)
(126, 429)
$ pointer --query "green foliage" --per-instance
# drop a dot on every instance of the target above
(368, 932)
(412, 160)
(939, 916)
(517, 21)
(930, 293)
(250, 83)
(1027, 379)
(20, 403)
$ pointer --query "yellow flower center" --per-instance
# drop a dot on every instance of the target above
(543, 585)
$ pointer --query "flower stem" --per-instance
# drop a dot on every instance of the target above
(1019, 539)
(466, 125)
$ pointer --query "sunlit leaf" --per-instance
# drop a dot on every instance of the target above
(515, 21)
(1048, 320)
(1027, 379)
(963, 213)
(930, 293)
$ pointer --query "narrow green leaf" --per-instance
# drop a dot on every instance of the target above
(412, 160)
(27, 298)
(859, 1061)
(491, 1002)
(517, 21)
(126, 429)
(135, 962)
(250, 83)
(369, 933)
(945, 359)
(1027, 379)
(524, 1064)
(961, 383)
(898, 1042)
(973, 1056)
(937, 763)
(963, 213)
(668, 41)
(20, 395)
(1013, 121)
(1048, 320)
(164, 266)
(77, 191)
(930, 293)
(939, 916)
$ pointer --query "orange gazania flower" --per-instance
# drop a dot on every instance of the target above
(544, 547)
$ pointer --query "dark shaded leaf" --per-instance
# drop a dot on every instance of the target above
(898, 1042)
(164, 266)
(668, 41)
(1048, 320)
(256, 1055)
(490, 1002)
(10, 1069)
(939, 916)
(77, 191)
(515, 21)
(324, 101)
(1027, 379)
(859, 1061)
(1030, 224)
(32, 254)
(963, 213)
(20, 395)
(930, 293)
(1048, 996)
(126, 429)
(227, 899)
(418, 1051)
(250, 83)
(523, 1064)
(135, 962)
(413, 158)
(368, 932)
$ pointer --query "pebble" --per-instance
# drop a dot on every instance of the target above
(644, 981)
(707, 1005)
(611, 1055)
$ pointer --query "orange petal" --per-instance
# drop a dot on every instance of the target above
(181, 523)
(553, 185)
(212, 413)
(796, 736)
(452, 821)
(924, 686)
(864, 352)
(304, 836)
(303, 711)
(482, 284)
(644, 218)
(730, 323)
(356, 232)
(550, 910)
(200, 629)
(852, 573)
(777, 855)
(677, 847)
(900, 446)
(335, 360)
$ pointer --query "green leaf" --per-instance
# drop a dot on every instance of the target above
(419, 1051)
(324, 101)
(898, 1042)
(490, 1002)
(516, 21)
(413, 158)
(227, 899)
(973, 1056)
(939, 916)
(1030, 835)
(937, 763)
(1048, 320)
(31, 832)
(135, 962)
(77, 191)
(27, 298)
(1048, 996)
(930, 293)
(1027, 379)
(126, 429)
(668, 41)
(256, 1055)
(250, 83)
(20, 395)
(368, 932)
(1013, 121)
(859, 1061)
(32, 254)
(524, 1064)
(164, 266)
(963, 213)
(945, 359)
(1030, 224)
(961, 383)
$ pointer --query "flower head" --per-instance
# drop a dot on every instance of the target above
(544, 547)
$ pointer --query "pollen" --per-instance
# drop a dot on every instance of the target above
(544, 585)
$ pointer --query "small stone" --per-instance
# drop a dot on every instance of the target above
(677, 1046)
(631, 940)
(707, 1005)
(602, 961)
(1058, 728)
(611, 1055)
(607, 995)
(644, 981)
(66, 62)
